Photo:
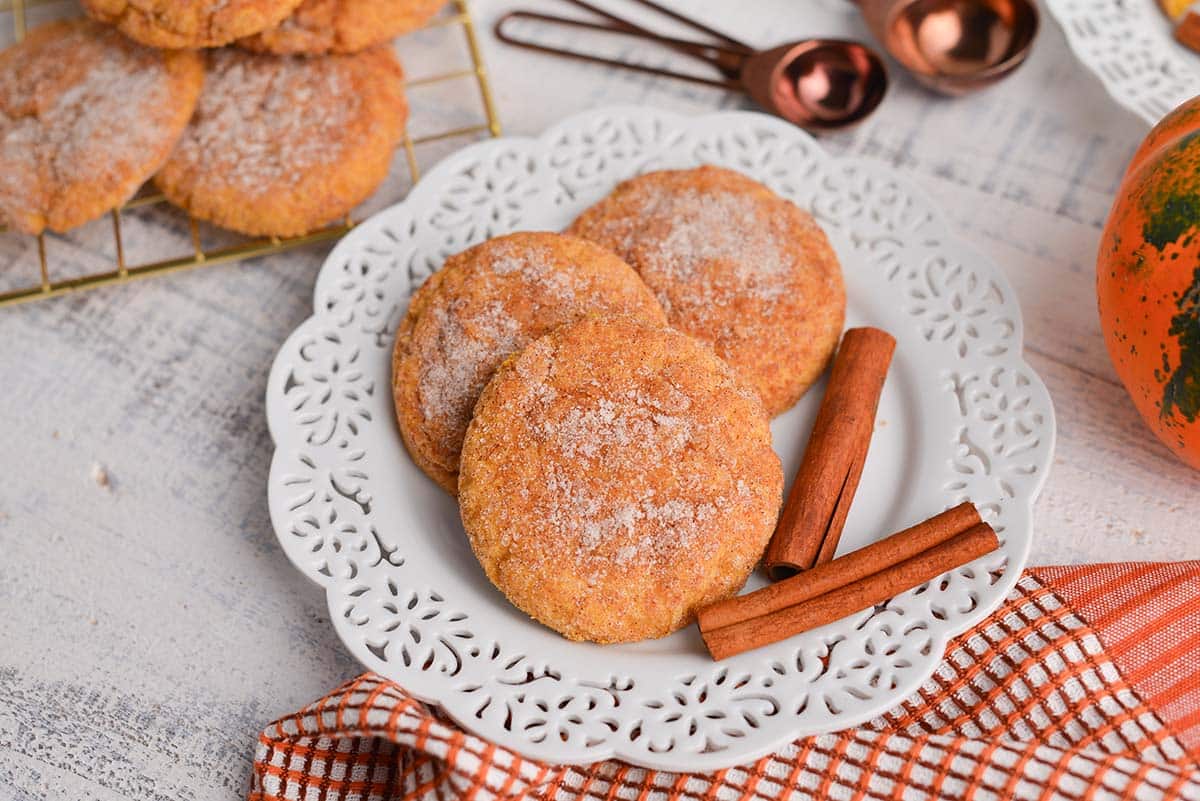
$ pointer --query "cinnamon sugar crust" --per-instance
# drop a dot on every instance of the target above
(342, 26)
(735, 265)
(616, 477)
(179, 24)
(283, 145)
(86, 117)
(485, 304)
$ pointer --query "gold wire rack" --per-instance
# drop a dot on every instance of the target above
(44, 285)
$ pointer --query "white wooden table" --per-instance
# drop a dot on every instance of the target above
(149, 624)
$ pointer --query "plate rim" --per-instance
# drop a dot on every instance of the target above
(1112, 87)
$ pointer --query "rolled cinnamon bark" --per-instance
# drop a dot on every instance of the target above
(1188, 29)
(866, 592)
(852, 567)
(816, 508)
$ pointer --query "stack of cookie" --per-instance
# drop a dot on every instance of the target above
(287, 124)
(599, 401)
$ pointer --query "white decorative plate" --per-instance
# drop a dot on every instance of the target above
(962, 416)
(1131, 47)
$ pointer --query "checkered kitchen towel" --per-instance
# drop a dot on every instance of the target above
(1084, 685)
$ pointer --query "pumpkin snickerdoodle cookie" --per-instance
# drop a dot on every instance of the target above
(283, 145)
(189, 23)
(86, 117)
(735, 265)
(483, 305)
(342, 26)
(616, 477)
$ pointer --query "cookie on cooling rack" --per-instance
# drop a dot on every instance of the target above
(86, 117)
(190, 23)
(616, 477)
(735, 265)
(485, 304)
(283, 145)
(342, 26)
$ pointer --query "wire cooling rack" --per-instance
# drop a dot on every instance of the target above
(44, 284)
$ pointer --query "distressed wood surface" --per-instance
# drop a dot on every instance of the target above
(150, 625)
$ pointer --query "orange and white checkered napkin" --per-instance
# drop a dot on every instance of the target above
(1084, 685)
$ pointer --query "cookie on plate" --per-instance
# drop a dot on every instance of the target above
(485, 304)
(735, 265)
(86, 117)
(342, 26)
(283, 145)
(616, 477)
(189, 23)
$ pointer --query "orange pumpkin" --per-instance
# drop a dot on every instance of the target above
(1148, 281)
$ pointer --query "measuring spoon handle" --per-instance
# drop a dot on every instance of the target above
(725, 57)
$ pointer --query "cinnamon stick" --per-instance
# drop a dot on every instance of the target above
(815, 512)
(852, 567)
(1188, 29)
(866, 592)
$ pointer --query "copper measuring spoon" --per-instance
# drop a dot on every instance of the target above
(819, 84)
(954, 46)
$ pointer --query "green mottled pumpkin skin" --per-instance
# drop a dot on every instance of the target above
(1148, 281)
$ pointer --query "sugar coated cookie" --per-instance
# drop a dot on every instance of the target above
(483, 305)
(283, 145)
(617, 476)
(735, 265)
(189, 23)
(86, 117)
(342, 26)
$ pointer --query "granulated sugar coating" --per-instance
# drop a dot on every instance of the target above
(616, 477)
(342, 26)
(484, 305)
(86, 117)
(735, 265)
(189, 23)
(284, 145)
